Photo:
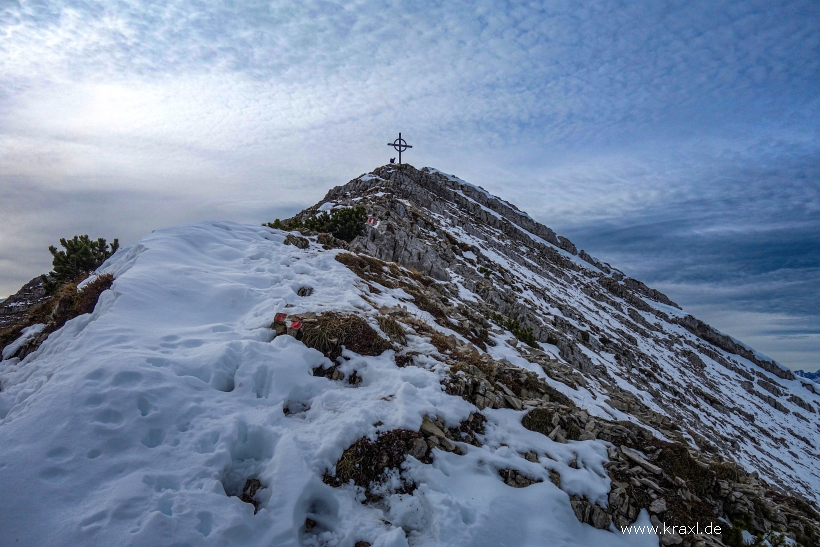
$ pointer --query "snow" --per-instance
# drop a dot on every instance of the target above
(369, 177)
(87, 281)
(759, 355)
(808, 382)
(665, 308)
(25, 335)
(790, 465)
(131, 425)
(480, 190)
(463, 292)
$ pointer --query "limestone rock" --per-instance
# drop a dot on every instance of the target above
(658, 506)
(298, 242)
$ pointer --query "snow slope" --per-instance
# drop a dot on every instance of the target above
(131, 425)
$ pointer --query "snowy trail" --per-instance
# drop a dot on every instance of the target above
(130, 425)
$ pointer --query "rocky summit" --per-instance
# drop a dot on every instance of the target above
(452, 372)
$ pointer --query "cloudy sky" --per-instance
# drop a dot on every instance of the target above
(677, 140)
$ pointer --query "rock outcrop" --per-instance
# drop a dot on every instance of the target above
(15, 306)
(700, 426)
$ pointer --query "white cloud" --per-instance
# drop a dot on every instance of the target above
(577, 111)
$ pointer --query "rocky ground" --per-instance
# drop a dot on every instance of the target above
(702, 428)
(15, 306)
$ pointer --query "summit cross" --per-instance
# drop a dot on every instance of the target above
(399, 145)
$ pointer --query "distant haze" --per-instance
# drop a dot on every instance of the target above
(679, 140)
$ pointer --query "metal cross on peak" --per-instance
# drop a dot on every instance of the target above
(400, 145)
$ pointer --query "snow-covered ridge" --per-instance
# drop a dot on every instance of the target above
(136, 422)
(145, 422)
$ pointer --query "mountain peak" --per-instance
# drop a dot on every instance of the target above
(631, 341)
(455, 374)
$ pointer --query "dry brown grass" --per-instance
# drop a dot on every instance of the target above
(392, 329)
(249, 493)
(405, 360)
(333, 330)
(370, 269)
(66, 304)
(365, 461)
(72, 303)
(426, 304)
(441, 342)
(469, 428)
(390, 275)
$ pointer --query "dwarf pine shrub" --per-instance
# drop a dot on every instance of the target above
(81, 256)
(287, 224)
(523, 334)
(345, 224)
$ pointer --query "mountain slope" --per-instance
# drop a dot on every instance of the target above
(133, 423)
(631, 342)
(457, 375)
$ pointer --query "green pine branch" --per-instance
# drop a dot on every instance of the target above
(80, 256)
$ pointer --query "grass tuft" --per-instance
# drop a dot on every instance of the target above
(392, 329)
(333, 330)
